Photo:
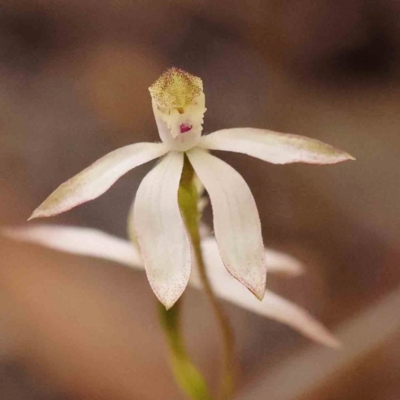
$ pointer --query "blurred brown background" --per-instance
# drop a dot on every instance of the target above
(73, 86)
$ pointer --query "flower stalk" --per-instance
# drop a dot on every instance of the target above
(185, 373)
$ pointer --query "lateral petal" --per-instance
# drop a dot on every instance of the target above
(98, 177)
(91, 242)
(291, 314)
(236, 222)
(95, 243)
(79, 240)
(272, 306)
(273, 147)
(281, 310)
(160, 231)
(277, 261)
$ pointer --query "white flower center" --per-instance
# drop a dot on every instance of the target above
(179, 106)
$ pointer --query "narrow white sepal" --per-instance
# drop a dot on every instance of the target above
(276, 308)
(79, 240)
(98, 177)
(272, 306)
(273, 147)
(277, 262)
(95, 243)
(91, 242)
(282, 263)
(288, 313)
(160, 231)
(237, 225)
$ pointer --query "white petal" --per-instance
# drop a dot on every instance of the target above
(81, 241)
(274, 147)
(97, 178)
(288, 313)
(91, 242)
(236, 222)
(160, 230)
(272, 306)
(277, 262)
(282, 263)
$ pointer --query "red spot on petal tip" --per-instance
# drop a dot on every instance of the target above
(185, 128)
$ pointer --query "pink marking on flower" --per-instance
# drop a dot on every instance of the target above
(185, 128)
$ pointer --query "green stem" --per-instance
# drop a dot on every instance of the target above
(186, 374)
(228, 361)
(188, 199)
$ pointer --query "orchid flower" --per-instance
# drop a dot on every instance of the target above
(94, 243)
(179, 105)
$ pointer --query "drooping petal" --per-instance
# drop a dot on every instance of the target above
(277, 262)
(97, 178)
(79, 240)
(278, 309)
(274, 147)
(160, 230)
(282, 263)
(95, 243)
(91, 242)
(236, 222)
(272, 306)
